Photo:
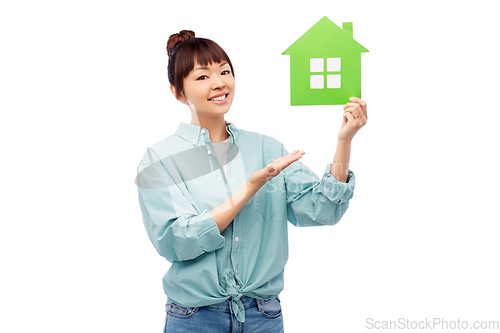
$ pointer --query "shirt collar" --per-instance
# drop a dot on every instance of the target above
(191, 133)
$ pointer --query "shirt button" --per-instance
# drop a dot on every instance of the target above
(194, 140)
(236, 271)
(220, 179)
(236, 239)
(202, 131)
(209, 152)
(232, 178)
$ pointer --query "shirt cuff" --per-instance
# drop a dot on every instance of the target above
(209, 235)
(335, 191)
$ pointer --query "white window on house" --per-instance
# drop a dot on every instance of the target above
(317, 82)
(317, 65)
(333, 64)
(333, 81)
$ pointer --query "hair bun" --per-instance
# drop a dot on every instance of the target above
(178, 38)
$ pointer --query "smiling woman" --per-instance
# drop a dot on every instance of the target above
(201, 75)
(208, 90)
(185, 50)
(221, 199)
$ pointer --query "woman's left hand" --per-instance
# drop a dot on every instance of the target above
(355, 116)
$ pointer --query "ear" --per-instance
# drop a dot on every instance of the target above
(181, 97)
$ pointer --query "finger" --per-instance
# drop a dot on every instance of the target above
(358, 114)
(287, 160)
(292, 154)
(353, 120)
(298, 156)
(292, 158)
(287, 156)
(362, 103)
(355, 110)
(349, 104)
(350, 118)
(354, 105)
(357, 100)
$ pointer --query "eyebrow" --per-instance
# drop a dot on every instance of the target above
(224, 63)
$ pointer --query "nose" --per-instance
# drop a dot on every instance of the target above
(218, 83)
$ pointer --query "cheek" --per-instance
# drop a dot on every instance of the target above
(231, 85)
(191, 94)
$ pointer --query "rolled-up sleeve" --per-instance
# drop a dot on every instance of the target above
(176, 229)
(312, 201)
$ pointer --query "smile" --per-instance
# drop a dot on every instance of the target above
(219, 98)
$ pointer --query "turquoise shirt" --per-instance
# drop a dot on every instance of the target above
(180, 180)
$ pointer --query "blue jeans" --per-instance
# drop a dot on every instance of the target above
(261, 316)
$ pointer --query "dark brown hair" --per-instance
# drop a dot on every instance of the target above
(184, 50)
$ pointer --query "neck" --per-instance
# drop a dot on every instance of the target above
(216, 127)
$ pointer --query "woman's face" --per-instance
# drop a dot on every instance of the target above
(209, 90)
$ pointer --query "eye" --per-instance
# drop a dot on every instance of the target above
(226, 72)
(203, 77)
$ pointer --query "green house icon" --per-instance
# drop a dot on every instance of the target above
(325, 65)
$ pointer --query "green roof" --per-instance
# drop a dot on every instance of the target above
(325, 36)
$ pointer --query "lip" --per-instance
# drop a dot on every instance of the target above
(219, 102)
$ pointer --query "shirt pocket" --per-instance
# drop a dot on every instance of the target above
(181, 312)
(268, 198)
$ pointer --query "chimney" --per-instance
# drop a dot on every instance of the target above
(347, 26)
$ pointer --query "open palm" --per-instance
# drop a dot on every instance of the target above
(262, 176)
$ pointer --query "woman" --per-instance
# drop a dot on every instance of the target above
(216, 200)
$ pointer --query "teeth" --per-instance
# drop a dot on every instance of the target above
(220, 98)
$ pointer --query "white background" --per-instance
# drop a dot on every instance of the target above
(84, 91)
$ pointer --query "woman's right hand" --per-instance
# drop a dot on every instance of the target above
(262, 176)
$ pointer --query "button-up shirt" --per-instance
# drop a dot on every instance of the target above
(180, 180)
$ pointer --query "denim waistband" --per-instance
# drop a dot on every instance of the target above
(247, 301)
